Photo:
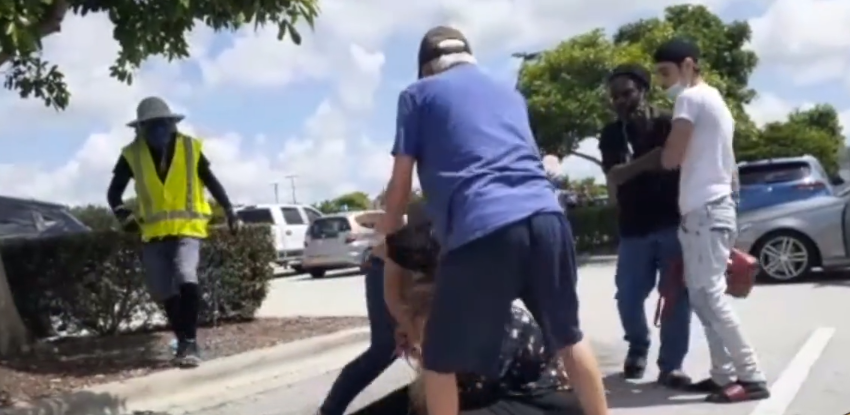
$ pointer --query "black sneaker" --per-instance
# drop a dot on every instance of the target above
(187, 355)
(675, 379)
(634, 367)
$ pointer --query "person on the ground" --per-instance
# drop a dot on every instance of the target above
(529, 382)
(502, 232)
(383, 350)
(170, 172)
(648, 219)
(365, 368)
(700, 145)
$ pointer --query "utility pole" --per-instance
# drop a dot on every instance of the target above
(292, 178)
(276, 194)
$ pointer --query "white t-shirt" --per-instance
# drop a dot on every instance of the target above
(707, 169)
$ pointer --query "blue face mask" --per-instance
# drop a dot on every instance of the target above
(158, 133)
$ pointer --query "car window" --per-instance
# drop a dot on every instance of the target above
(773, 173)
(292, 216)
(312, 214)
(368, 220)
(261, 216)
(324, 227)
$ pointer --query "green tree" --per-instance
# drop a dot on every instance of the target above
(353, 201)
(142, 29)
(816, 132)
(565, 86)
(96, 217)
(348, 202)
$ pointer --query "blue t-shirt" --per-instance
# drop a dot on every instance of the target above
(477, 161)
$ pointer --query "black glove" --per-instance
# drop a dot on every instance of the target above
(126, 219)
(233, 221)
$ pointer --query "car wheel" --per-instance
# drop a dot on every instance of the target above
(785, 256)
(317, 273)
(298, 269)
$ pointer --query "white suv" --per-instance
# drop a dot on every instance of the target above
(288, 226)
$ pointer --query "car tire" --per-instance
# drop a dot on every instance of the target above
(317, 273)
(785, 256)
(298, 269)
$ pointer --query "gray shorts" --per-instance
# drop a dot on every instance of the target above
(170, 263)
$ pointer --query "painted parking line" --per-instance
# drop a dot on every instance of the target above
(786, 387)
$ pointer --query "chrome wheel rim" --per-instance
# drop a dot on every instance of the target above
(784, 258)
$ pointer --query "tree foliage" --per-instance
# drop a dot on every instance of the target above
(565, 86)
(345, 203)
(142, 29)
(816, 131)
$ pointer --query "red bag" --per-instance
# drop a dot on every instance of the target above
(740, 278)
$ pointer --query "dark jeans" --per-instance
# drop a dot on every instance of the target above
(532, 259)
(639, 262)
(364, 369)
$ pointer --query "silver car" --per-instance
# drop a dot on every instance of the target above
(340, 240)
(792, 238)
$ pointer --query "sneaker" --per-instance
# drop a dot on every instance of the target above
(634, 367)
(188, 355)
(675, 379)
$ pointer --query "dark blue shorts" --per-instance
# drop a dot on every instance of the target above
(533, 260)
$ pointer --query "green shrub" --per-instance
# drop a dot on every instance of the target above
(594, 228)
(94, 281)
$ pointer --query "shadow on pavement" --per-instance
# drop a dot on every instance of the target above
(625, 394)
(397, 403)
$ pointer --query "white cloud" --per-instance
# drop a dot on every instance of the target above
(332, 154)
(809, 39)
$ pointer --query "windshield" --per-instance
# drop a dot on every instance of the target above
(773, 173)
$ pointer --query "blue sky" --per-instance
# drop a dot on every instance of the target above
(325, 111)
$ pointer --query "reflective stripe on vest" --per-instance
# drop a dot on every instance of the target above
(144, 197)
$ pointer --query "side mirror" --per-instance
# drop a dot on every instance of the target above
(836, 181)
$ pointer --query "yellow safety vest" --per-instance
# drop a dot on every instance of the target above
(177, 207)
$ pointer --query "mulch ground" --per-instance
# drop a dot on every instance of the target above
(79, 362)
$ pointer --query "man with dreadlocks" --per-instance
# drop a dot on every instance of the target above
(647, 197)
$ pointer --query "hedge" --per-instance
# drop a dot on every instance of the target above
(94, 281)
(594, 228)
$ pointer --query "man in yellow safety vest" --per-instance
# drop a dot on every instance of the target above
(170, 172)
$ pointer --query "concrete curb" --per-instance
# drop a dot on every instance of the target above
(171, 388)
(586, 259)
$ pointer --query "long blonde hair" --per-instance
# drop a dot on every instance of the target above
(419, 296)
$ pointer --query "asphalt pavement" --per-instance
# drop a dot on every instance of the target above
(801, 332)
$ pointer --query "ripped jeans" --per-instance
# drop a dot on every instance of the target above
(707, 236)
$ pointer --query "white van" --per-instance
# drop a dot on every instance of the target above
(288, 224)
(340, 240)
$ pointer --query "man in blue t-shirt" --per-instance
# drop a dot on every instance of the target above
(503, 233)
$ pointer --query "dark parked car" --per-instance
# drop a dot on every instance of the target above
(25, 218)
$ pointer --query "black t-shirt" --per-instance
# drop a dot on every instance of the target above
(650, 201)
(123, 171)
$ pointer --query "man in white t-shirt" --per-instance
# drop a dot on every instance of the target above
(700, 144)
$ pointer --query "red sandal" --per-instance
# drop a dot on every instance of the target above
(740, 392)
